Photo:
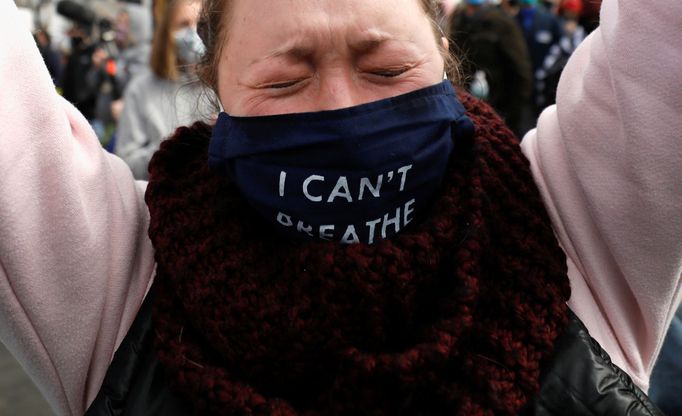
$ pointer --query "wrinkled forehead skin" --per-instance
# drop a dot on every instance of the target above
(247, 19)
(329, 36)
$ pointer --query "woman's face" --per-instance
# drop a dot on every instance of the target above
(289, 56)
(186, 15)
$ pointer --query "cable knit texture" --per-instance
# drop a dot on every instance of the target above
(455, 315)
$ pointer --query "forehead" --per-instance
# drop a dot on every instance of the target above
(284, 19)
(187, 7)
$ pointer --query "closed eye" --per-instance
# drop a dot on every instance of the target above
(282, 85)
(390, 73)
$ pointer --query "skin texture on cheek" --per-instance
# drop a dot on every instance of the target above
(298, 56)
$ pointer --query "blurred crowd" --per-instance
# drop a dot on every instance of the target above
(512, 52)
(129, 67)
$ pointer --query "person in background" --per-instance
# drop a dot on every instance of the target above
(52, 58)
(541, 29)
(570, 12)
(167, 96)
(76, 83)
(123, 52)
(133, 28)
(102, 75)
(355, 234)
(590, 15)
(547, 77)
(494, 51)
(551, 6)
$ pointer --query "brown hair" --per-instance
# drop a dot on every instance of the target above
(163, 60)
(212, 31)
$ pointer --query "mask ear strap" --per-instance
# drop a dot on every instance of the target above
(442, 34)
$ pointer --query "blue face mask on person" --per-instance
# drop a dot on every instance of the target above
(354, 175)
(188, 46)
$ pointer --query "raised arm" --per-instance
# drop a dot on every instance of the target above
(608, 160)
(75, 261)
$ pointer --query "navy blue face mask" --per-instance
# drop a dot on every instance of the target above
(354, 175)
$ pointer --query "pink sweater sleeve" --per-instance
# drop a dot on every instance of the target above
(75, 259)
(608, 160)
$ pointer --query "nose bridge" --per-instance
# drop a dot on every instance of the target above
(337, 90)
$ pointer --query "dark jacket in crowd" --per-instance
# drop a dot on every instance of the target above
(52, 61)
(78, 87)
(491, 41)
(541, 30)
(590, 15)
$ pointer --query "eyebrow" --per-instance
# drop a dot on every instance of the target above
(296, 47)
(302, 47)
(370, 39)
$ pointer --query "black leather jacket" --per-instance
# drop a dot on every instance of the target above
(580, 380)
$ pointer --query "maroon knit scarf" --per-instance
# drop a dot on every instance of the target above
(455, 315)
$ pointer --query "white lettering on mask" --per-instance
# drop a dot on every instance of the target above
(325, 231)
(350, 236)
(306, 183)
(284, 219)
(303, 228)
(372, 225)
(282, 182)
(345, 190)
(341, 184)
(363, 188)
(394, 220)
(408, 211)
(403, 171)
(374, 190)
